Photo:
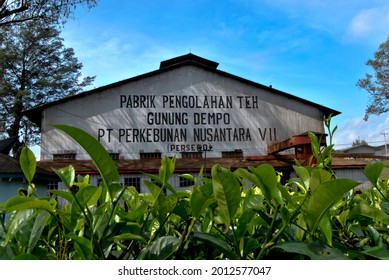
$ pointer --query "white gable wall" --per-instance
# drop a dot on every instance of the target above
(227, 115)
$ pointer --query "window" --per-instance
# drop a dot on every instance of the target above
(184, 183)
(132, 181)
(192, 154)
(114, 155)
(52, 186)
(149, 155)
(66, 154)
(235, 153)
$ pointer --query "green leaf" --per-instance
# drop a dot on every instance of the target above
(102, 160)
(244, 222)
(377, 252)
(17, 225)
(326, 228)
(27, 256)
(385, 207)
(28, 164)
(373, 172)
(37, 229)
(304, 176)
(88, 196)
(324, 196)
(67, 175)
(83, 247)
(314, 250)
(64, 194)
(129, 236)
(160, 249)
(226, 190)
(254, 202)
(18, 203)
(314, 144)
(264, 177)
(199, 202)
(318, 176)
(166, 169)
(216, 242)
(366, 210)
(138, 212)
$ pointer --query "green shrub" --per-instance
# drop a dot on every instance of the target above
(237, 214)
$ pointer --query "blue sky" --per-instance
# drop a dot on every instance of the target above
(313, 49)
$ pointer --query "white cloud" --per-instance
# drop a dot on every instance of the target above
(369, 23)
(371, 131)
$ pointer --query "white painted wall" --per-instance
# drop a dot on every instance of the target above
(252, 118)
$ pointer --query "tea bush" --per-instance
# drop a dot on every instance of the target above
(244, 214)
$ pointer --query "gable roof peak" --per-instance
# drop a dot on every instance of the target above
(190, 57)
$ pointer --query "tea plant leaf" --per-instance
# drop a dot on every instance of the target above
(325, 195)
(18, 203)
(28, 164)
(377, 252)
(304, 176)
(166, 171)
(318, 176)
(373, 172)
(160, 249)
(67, 175)
(66, 195)
(83, 247)
(226, 190)
(264, 177)
(88, 196)
(20, 223)
(254, 202)
(244, 222)
(366, 210)
(129, 236)
(199, 202)
(99, 155)
(326, 228)
(314, 250)
(37, 229)
(216, 242)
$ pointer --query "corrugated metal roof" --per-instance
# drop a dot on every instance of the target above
(10, 166)
(6, 145)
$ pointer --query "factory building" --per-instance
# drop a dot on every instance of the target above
(187, 108)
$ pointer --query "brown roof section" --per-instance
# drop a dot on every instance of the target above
(6, 145)
(10, 167)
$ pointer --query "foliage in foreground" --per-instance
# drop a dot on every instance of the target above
(242, 214)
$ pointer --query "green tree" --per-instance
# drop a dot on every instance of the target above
(358, 142)
(35, 68)
(377, 85)
(16, 11)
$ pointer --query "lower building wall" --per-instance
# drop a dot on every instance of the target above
(9, 188)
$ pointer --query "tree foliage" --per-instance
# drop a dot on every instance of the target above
(358, 142)
(49, 11)
(377, 85)
(35, 68)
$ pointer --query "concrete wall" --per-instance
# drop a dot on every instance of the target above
(9, 188)
(210, 111)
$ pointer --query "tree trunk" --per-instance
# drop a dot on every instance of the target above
(15, 126)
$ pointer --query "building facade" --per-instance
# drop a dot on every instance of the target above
(188, 109)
